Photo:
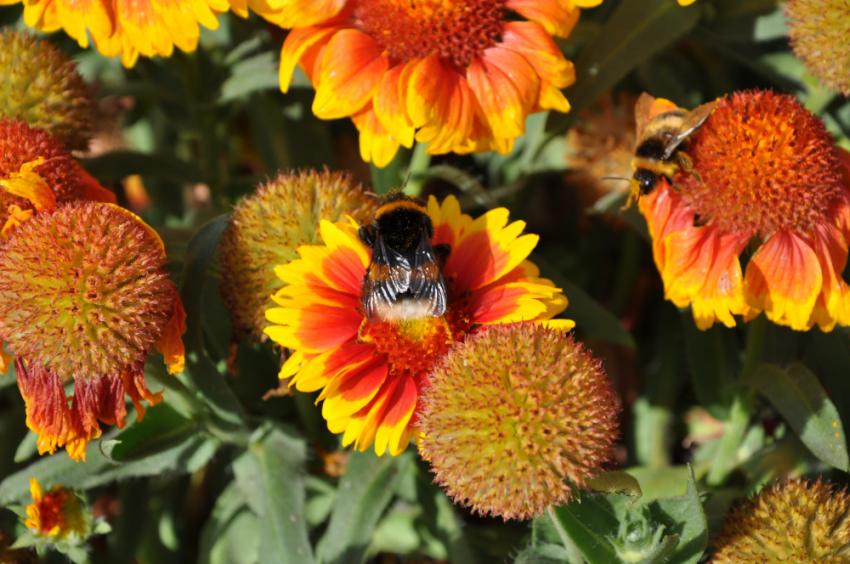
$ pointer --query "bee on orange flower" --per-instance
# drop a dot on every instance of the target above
(660, 140)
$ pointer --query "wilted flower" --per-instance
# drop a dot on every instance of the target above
(36, 172)
(792, 521)
(764, 176)
(42, 87)
(460, 75)
(515, 418)
(84, 295)
(266, 230)
(57, 514)
(819, 31)
(370, 371)
(143, 27)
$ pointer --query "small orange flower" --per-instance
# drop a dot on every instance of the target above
(36, 173)
(128, 28)
(84, 295)
(370, 371)
(765, 176)
(460, 75)
(57, 514)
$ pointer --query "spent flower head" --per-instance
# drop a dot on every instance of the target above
(84, 296)
(819, 31)
(516, 418)
(266, 230)
(790, 521)
(41, 86)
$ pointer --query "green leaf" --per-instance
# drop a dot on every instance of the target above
(270, 475)
(116, 165)
(161, 428)
(254, 74)
(231, 534)
(616, 481)
(364, 493)
(712, 362)
(189, 455)
(201, 371)
(798, 396)
(591, 318)
(635, 31)
(589, 523)
(684, 516)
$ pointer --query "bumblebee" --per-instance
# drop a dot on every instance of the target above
(660, 140)
(404, 280)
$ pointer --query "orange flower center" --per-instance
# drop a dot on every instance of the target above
(414, 347)
(761, 162)
(456, 30)
(51, 512)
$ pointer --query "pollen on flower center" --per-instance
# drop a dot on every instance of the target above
(761, 162)
(412, 347)
(456, 30)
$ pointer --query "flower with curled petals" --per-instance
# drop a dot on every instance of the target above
(765, 183)
(57, 513)
(36, 173)
(459, 75)
(84, 296)
(126, 28)
(370, 371)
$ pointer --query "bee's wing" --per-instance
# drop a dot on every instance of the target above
(387, 277)
(426, 280)
(691, 122)
(643, 112)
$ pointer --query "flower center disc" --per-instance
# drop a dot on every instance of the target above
(456, 30)
(761, 162)
(412, 347)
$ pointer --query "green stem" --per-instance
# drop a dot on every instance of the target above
(738, 421)
(574, 555)
(420, 161)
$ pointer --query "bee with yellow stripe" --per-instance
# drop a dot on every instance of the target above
(662, 134)
(404, 280)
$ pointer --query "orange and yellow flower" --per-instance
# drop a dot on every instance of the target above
(84, 296)
(57, 514)
(459, 75)
(370, 372)
(126, 28)
(765, 183)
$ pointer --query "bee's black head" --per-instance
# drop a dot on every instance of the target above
(646, 180)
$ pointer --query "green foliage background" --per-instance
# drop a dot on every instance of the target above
(217, 474)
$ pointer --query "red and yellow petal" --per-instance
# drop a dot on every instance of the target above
(98, 399)
(784, 279)
(532, 42)
(302, 45)
(377, 145)
(390, 108)
(702, 269)
(833, 303)
(507, 88)
(487, 250)
(352, 65)
(558, 17)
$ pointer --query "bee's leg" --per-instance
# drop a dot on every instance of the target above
(634, 195)
(442, 251)
(367, 235)
(686, 163)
